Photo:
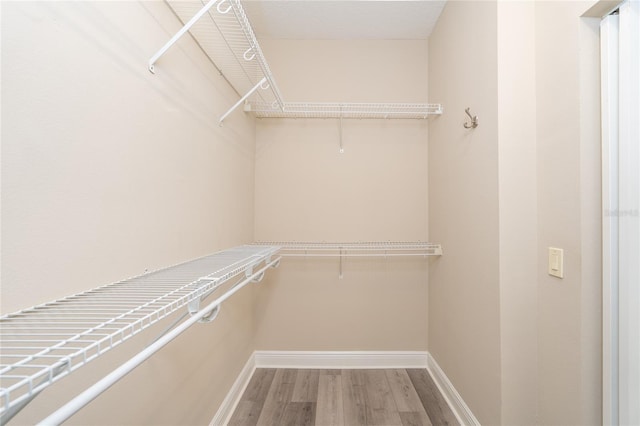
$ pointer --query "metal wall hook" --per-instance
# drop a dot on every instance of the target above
(474, 120)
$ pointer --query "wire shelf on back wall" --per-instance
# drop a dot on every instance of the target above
(355, 249)
(345, 110)
(43, 344)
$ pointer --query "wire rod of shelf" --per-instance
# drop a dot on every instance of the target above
(355, 249)
(225, 35)
(345, 110)
(39, 345)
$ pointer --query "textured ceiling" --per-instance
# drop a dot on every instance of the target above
(347, 19)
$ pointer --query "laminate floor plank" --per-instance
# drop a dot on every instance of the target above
(404, 392)
(245, 414)
(305, 388)
(331, 372)
(278, 397)
(381, 408)
(289, 375)
(414, 418)
(250, 406)
(354, 399)
(434, 403)
(259, 384)
(330, 408)
(299, 414)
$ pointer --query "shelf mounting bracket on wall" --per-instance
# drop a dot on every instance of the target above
(341, 147)
(242, 99)
(179, 34)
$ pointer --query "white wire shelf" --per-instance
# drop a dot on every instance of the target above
(345, 110)
(44, 343)
(224, 33)
(354, 249)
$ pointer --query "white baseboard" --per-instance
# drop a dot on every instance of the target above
(352, 360)
(450, 394)
(366, 359)
(228, 406)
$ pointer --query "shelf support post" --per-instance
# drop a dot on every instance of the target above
(242, 99)
(179, 34)
(341, 147)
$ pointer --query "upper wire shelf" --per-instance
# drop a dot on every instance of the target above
(222, 30)
(44, 343)
(224, 33)
(355, 249)
(345, 110)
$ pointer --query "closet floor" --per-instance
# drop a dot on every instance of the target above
(279, 397)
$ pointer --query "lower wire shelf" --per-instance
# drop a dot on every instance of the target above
(42, 344)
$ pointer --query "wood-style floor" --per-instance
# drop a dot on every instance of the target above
(287, 397)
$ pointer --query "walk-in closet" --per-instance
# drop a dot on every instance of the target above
(270, 212)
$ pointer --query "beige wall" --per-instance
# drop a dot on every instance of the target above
(538, 355)
(375, 191)
(569, 343)
(517, 211)
(464, 293)
(108, 170)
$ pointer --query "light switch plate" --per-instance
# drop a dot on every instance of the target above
(556, 262)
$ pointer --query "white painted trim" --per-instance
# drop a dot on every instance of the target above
(453, 398)
(228, 406)
(609, 29)
(629, 212)
(342, 359)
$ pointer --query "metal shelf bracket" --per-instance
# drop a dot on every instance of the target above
(341, 147)
(242, 99)
(180, 33)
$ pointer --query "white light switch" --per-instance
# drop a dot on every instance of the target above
(556, 262)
